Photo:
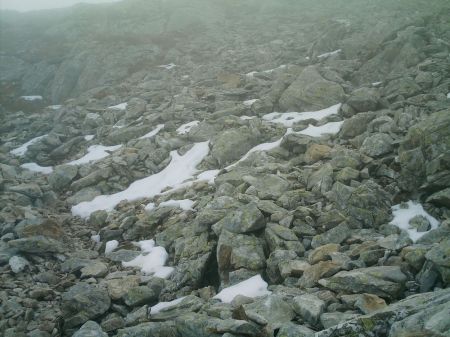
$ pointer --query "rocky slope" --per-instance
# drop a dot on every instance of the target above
(211, 168)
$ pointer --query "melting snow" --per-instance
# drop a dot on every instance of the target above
(180, 169)
(253, 287)
(89, 137)
(20, 151)
(329, 54)
(121, 106)
(244, 118)
(288, 119)
(154, 132)
(110, 246)
(209, 176)
(318, 131)
(32, 98)
(37, 168)
(376, 84)
(152, 260)
(157, 308)
(168, 66)
(95, 152)
(185, 128)
(448, 95)
(268, 71)
(55, 107)
(184, 204)
(95, 238)
(250, 102)
(402, 216)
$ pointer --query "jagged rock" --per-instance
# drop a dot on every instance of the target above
(364, 99)
(386, 282)
(90, 329)
(323, 253)
(236, 251)
(37, 244)
(83, 302)
(272, 310)
(280, 237)
(94, 269)
(310, 91)
(439, 255)
(377, 145)
(335, 235)
(294, 330)
(118, 287)
(356, 125)
(420, 315)
(269, 186)
(39, 226)
(62, 176)
(30, 190)
(441, 198)
(424, 153)
(316, 152)
(309, 307)
(152, 329)
(245, 219)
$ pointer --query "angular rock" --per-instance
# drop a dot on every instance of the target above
(386, 282)
(245, 219)
(90, 329)
(309, 307)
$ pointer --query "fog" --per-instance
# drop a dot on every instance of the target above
(31, 5)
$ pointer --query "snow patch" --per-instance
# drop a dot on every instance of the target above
(157, 308)
(95, 238)
(110, 246)
(184, 204)
(331, 128)
(32, 98)
(168, 66)
(402, 216)
(448, 95)
(20, 151)
(55, 107)
(268, 71)
(152, 260)
(253, 287)
(288, 119)
(250, 102)
(121, 106)
(154, 132)
(329, 54)
(186, 128)
(180, 169)
(95, 152)
(376, 84)
(89, 137)
(208, 176)
(244, 118)
(37, 168)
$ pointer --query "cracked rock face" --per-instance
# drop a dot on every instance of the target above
(204, 168)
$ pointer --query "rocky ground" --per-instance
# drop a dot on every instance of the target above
(211, 168)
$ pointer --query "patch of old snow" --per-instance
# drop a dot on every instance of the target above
(208, 176)
(95, 152)
(168, 66)
(250, 102)
(55, 107)
(95, 238)
(157, 308)
(402, 216)
(253, 287)
(20, 151)
(184, 204)
(152, 260)
(121, 106)
(186, 128)
(317, 131)
(376, 84)
(448, 95)
(110, 246)
(329, 54)
(288, 119)
(154, 132)
(37, 168)
(244, 118)
(89, 137)
(180, 169)
(32, 98)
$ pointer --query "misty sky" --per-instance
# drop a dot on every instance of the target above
(29, 5)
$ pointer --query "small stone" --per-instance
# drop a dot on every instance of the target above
(420, 223)
(18, 264)
(369, 303)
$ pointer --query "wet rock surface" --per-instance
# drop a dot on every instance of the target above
(313, 148)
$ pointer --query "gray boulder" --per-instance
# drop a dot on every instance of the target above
(245, 219)
(83, 302)
(377, 145)
(310, 91)
(90, 329)
(386, 282)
